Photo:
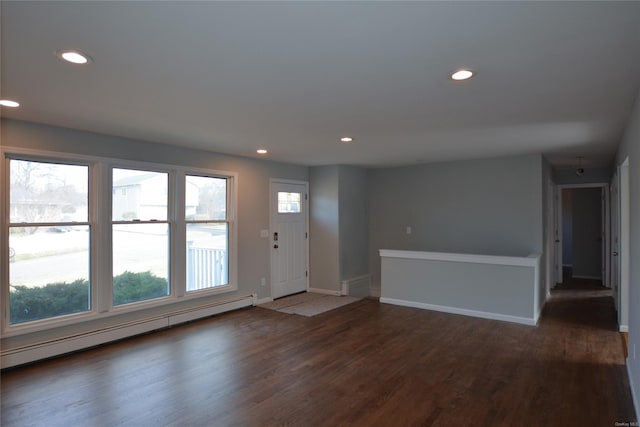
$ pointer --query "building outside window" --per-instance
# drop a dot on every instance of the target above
(140, 235)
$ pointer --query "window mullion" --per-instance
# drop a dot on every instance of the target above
(101, 244)
(178, 234)
(4, 238)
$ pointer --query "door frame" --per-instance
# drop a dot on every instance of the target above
(623, 236)
(614, 191)
(549, 238)
(272, 182)
(606, 244)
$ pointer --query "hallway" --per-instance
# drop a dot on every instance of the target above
(583, 302)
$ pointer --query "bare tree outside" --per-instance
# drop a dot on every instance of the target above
(48, 239)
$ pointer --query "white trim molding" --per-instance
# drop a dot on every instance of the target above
(536, 318)
(529, 261)
(462, 311)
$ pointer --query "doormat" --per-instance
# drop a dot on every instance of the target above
(308, 304)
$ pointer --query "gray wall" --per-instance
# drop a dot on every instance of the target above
(354, 222)
(590, 176)
(324, 228)
(253, 196)
(587, 232)
(547, 261)
(496, 289)
(338, 224)
(630, 148)
(567, 226)
(489, 206)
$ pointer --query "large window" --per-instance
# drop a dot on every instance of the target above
(85, 236)
(140, 234)
(49, 239)
(207, 232)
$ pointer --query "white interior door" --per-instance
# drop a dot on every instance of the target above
(615, 240)
(289, 249)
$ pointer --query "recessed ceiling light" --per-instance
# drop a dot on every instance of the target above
(346, 139)
(462, 74)
(261, 151)
(9, 103)
(74, 56)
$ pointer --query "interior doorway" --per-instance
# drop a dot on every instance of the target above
(583, 289)
(620, 243)
(582, 235)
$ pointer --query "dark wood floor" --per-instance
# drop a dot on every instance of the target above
(365, 364)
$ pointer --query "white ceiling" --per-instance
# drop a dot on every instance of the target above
(292, 77)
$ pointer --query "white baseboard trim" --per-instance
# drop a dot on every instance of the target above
(529, 261)
(539, 313)
(375, 292)
(462, 311)
(631, 386)
(43, 350)
(263, 300)
(325, 292)
(586, 277)
(623, 328)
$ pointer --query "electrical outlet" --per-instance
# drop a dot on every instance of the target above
(263, 281)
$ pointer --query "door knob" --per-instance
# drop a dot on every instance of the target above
(615, 254)
(275, 246)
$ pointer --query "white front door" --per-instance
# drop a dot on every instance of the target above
(288, 238)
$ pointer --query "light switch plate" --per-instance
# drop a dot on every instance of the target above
(264, 234)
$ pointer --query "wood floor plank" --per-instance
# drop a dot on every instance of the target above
(363, 364)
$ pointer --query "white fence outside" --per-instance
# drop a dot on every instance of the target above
(206, 267)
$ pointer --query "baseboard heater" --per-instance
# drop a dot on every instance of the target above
(43, 350)
(359, 286)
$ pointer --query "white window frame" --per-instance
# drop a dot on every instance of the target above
(5, 311)
(100, 223)
(170, 221)
(232, 255)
